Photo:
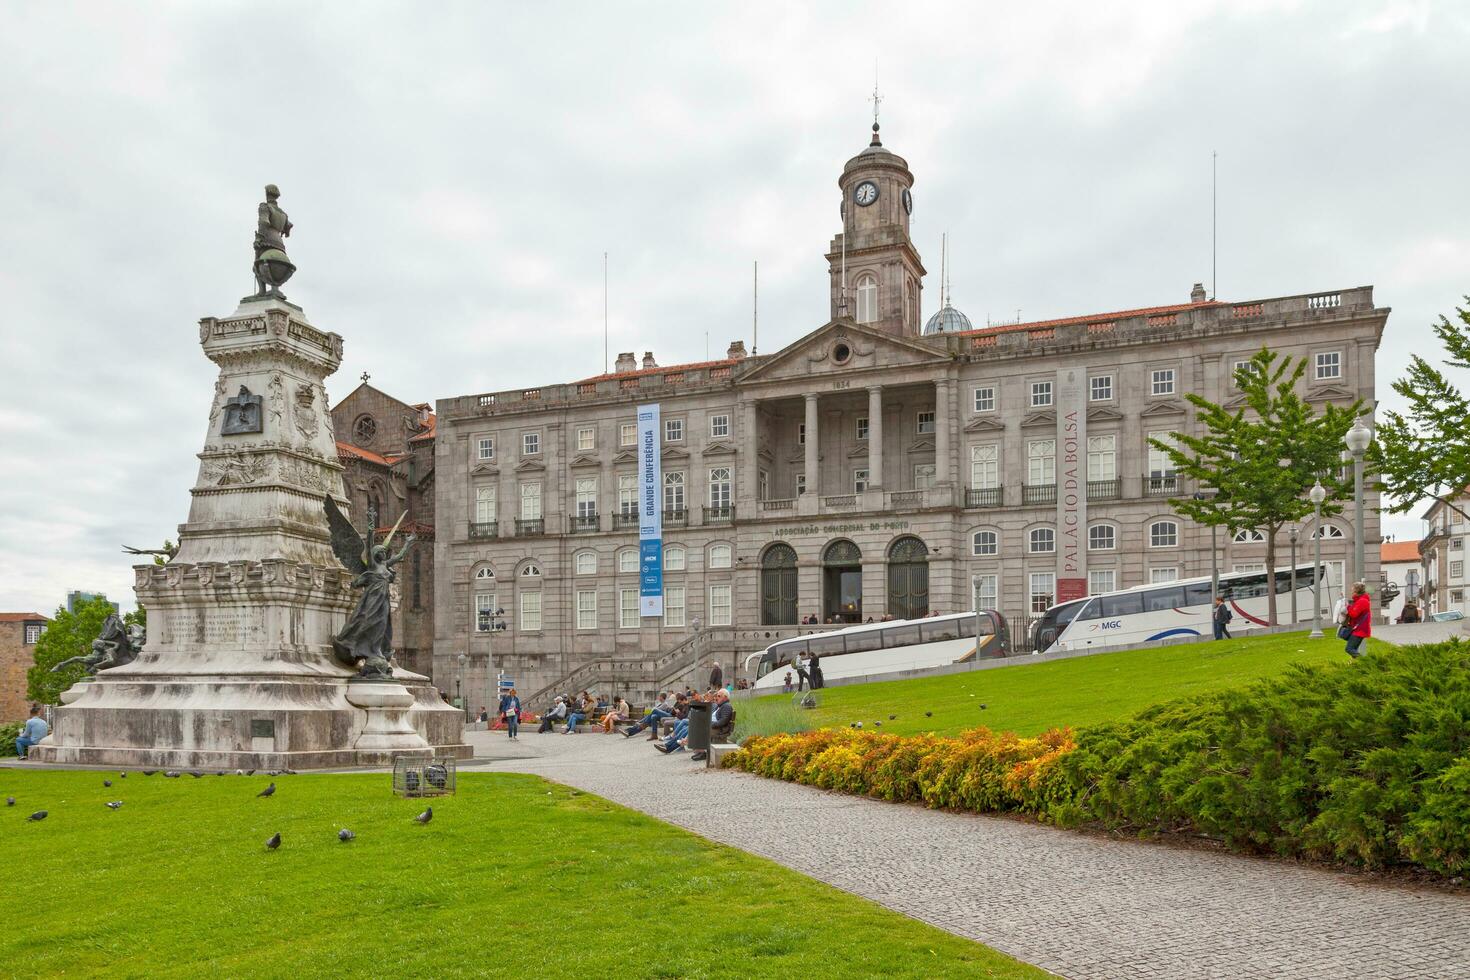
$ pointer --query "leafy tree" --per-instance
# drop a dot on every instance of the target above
(69, 634)
(1425, 453)
(1262, 458)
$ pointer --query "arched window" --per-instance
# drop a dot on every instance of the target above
(842, 552)
(1163, 534)
(1042, 541)
(1249, 535)
(778, 585)
(586, 563)
(484, 573)
(867, 299)
(1102, 537)
(1328, 532)
(908, 578)
(627, 561)
(719, 556)
(674, 560)
(984, 544)
(531, 570)
(364, 428)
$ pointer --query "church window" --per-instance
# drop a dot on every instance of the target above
(364, 429)
(867, 299)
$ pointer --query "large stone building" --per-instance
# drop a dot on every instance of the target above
(19, 633)
(877, 465)
(386, 448)
(1442, 551)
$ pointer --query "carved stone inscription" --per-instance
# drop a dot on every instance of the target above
(227, 628)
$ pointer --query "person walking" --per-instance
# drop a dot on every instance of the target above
(1357, 622)
(1222, 617)
(35, 729)
(510, 713)
(802, 677)
(716, 674)
(814, 668)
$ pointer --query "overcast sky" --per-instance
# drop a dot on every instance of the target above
(456, 171)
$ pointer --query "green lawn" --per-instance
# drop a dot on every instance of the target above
(1030, 698)
(514, 876)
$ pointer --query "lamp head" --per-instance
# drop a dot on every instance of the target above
(1318, 493)
(1358, 438)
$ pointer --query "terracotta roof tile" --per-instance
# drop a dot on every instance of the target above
(1090, 318)
(357, 452)
(23, 617)
(674, 368)
(431, 428)
(1396, 551)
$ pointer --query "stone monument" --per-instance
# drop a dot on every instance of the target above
(238, 669)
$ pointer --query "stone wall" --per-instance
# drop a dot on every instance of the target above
(16, 657)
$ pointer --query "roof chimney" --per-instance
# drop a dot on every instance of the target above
(648, 361)
(626, 362)
(1197, 294)
(736, 351)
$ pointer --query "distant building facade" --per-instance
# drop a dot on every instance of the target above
(872, 467)
(1402, 568)
(78, 598)
(386, 448)
(19, 633)
(1443, 555)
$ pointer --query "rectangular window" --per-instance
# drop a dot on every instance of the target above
(1102, 457)
(1100, 388)
(923, 476)
(985, 398)
(719, 488)
(485, 447)
(586, 439)
(719, 426)
(1163, 381)
(530, 501)
(673, 430)
(1043, 589)
(530, 612)
(859, 481)
(531, 444)
(1457, 596)
(1100, 580)
(628, 618)
(628, 494)
(1329, 365)
(1457, 569)
(587, 610)
(673, 605)
(1238, 367)
(984, 467)
(986, 587)
(862, 427)
(33, 634)
(763, 482)
(1040, 394)
(1041, 462)
(800, 484)
(586, 489)
(1157, 575)
(1160, 466)
(719, 605)
(674, 492)
(484, 603)
(627, 434)
(484, 505)
(926, 423)
(801, 433)
(1457, 544)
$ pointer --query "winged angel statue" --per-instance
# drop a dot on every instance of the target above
(366, 641)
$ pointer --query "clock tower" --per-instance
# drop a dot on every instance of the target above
(875, 271)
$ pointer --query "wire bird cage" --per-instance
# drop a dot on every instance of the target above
(418, 776)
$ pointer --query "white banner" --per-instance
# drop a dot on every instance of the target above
(1071, 484)
(650, 515)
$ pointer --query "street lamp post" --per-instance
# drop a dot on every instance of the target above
(1291, 533)
(459, 684)
(1358, 439)
(1317, 494)
(1214, 554)
(490, 622)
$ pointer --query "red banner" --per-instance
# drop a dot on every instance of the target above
(1071, 588)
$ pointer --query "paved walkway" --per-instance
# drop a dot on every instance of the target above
(1074, 904)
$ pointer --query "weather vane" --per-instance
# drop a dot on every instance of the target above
(876, 99)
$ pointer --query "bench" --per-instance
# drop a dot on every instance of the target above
(717, 751)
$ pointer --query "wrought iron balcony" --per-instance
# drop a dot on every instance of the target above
(480, 530)
(984, 497)
(1038, 493)
(527, 528)
(624, 520)
(676, 517)
(1105, 489)
(585, 524)
(719, 515)
(1161, 485)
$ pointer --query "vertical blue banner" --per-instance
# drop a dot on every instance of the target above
(650, 514)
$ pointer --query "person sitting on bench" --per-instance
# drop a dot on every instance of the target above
(550, 718)
(662, 708)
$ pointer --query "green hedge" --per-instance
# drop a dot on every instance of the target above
(9, 732)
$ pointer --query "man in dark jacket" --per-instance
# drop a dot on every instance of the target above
(1222, 617)
(716, 674)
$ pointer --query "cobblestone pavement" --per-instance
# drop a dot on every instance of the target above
(1077, 905)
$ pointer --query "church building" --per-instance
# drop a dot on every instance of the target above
(881, 465)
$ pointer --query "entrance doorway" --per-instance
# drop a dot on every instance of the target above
(908, 579)
(778, 586)
(842, 583)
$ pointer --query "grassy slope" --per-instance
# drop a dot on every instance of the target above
(514, 876)
(1030, 698)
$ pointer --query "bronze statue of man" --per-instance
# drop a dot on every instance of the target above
(273, 227)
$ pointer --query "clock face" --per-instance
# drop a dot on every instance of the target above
(865, 194)
(908, 202)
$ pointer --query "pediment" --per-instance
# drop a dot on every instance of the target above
(1327, 393)
(529, 464)
(626, 456)
(674, 452)
(485, 469)
(859, 451)
(720, 448)
(868, 350)
(984, 423)
(1039, 418)
(1103, 415)
(1163, 408)
(764, 452)
(584, 461)
(924, 444)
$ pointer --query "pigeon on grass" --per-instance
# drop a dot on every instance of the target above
(37, 816)
(344, 835)
(268, 791)
(10, 801)
(274, 841)
(114, 805)
(426, 816)
(107, 783)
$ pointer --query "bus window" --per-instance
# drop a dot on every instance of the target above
(1305, 578)
(788, 652)
(1283, 581)
(1244, 587)
(967, 625)
(1093, 610)
(934, 632)
(867, 640)
(1065, 614)
(1122, 604)
(900, 636)
(766, 665)
(1170, 598)
(1197, 594)
(822, 646)
(986, 624)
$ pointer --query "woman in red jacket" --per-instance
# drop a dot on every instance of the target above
(1358, 619)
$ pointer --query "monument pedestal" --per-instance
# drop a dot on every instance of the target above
(237, 671)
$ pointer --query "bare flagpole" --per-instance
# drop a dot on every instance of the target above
(755, 306)
(606, 365)
(1214, 217)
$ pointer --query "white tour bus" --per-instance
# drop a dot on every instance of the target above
(1182, 608)
(879, 648)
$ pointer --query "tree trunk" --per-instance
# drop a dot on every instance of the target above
(1271, 575)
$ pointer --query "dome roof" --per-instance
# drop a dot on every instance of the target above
(947, 320)
(875, 154)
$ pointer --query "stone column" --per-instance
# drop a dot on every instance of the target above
(749, 456)
(813, 475)
(875, 438)
(941, 431)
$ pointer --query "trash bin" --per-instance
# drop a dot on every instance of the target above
(699, 726)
